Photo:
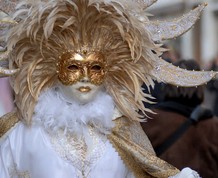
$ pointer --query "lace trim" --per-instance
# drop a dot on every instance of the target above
(77, 152)
(14, 173)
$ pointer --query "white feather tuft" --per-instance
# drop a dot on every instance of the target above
(53, 113)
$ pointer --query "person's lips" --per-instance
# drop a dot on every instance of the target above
(84, 89)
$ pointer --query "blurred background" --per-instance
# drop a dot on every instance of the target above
(200, 44)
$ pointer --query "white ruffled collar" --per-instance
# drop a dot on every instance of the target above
(53, 112)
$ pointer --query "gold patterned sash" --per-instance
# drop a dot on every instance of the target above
(136, 151)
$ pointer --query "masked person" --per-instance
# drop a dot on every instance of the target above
(77, 67)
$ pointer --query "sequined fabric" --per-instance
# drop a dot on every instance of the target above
(169, 73)
(136, 151)
(163, 30)
(15, 173)
(7, 122)
(8, 6)
(74, 149)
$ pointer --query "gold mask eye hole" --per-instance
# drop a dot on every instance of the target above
(96, 68)
(73, 67)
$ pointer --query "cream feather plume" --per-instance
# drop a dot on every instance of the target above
(47, 28)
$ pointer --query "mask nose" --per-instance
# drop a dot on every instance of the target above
(85, 79)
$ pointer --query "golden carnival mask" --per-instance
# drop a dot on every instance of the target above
(75, 66)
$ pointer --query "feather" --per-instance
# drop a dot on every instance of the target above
(47, 28)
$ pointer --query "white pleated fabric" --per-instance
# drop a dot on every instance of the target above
(28, 153)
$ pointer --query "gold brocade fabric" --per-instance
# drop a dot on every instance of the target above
(7, 122)
(136, 151)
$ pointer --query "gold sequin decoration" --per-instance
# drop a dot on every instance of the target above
(168, 73)
(7, 122)
(74, 149)
(18, 174)
(136, 151)
(165, 30)
(4, 71)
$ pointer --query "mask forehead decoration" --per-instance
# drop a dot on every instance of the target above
(4, 62)
(74, 66)
(5, 22)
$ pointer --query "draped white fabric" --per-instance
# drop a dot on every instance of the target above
(28, 152)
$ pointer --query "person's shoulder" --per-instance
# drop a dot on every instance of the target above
(132, 131)
(209, 128)
(7, 122)
(210, 121)
(124, 123)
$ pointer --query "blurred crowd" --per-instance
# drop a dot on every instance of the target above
(184, 127)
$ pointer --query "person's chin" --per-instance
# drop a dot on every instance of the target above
(84, 98)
